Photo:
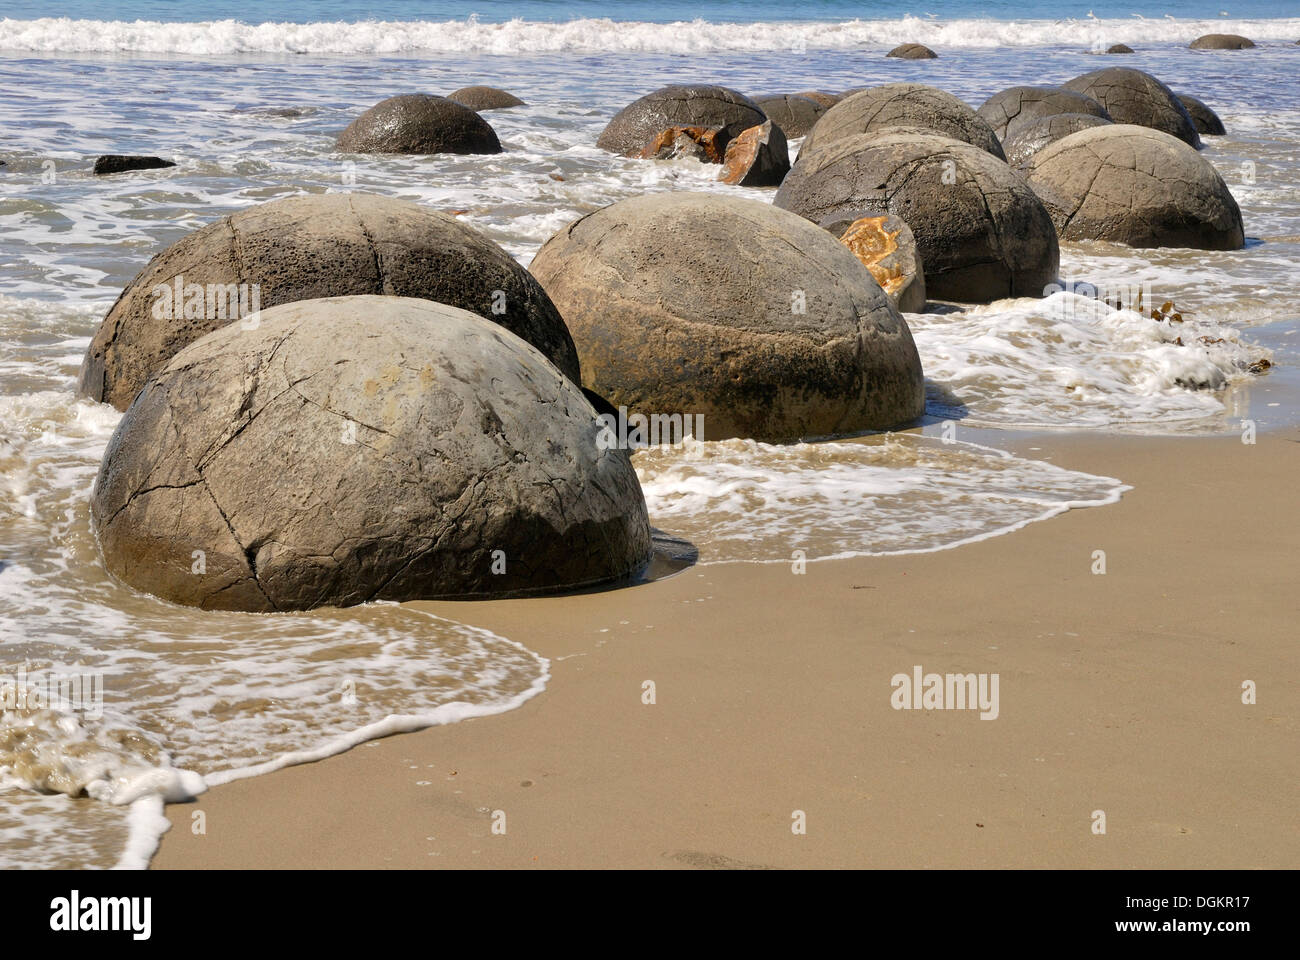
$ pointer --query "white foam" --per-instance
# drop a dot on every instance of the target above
(223, 37)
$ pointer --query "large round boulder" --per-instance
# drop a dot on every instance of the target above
(725, 307)
(982, 233)
(363, 448)
(1129, 184)
(302, 248)
(902, 105)
(1131, 96)
(795, 115)
(1027, 138)
(485, 98)
(1206, 120)
(419, 123)
(1008, 109)
(1221, 41)
(638, 124)
(912, 51)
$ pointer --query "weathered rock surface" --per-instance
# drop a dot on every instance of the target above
(912, 51)
(826, 100)
(1129, 184)
(421, 124)
(981, 232)
(902, 105)
(1131, 96)
(794, 114)
(697, 105)
(1029, 137)
(758, 157)
(1119, 48)
(485, 98)
(1221, 41)
(117, 163)
(363, 448)
(690, 303)
(302, 248)
(1206, 120)
(886, 247)
(1009, 108)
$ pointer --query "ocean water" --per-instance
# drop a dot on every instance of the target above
(247, 98)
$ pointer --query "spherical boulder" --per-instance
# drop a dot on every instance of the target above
(363, 448)
(1119, 48)
(912, 51)
(485, 98)
(902, 105)
(982, 233)
(302, 248)
(1129, 184)
(729, 308)
(795, 115)
(1221, 41)
(419, 123)
(1131, 96)
(1009, 108)
(1206, 120)
(1026, 139)
(698, 105)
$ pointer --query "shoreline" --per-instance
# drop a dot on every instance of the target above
(773, 695)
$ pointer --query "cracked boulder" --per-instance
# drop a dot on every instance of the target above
(756, 158)
(886, 247)
(301, 248)
(485, 98)
(363, 448)
(795, 114)
(912, 105)
(1008, 109)
(1027, 138)
(1206, 120)
(1131, 96)
(1129, 184)
(729, 308)
(981, 232)
(695, 105)
(419, 123)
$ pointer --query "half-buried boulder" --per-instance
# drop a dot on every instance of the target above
(1129, 184)
(363, 448)
(982, 233)
(1131, 96)
(886, 247)
(912, 51)
(419, 123)
(902, 105)
(641, 121)
(1221, 41)
(1206, 120)
(485, 98)
(794, 114)
(1027, 138)
(725, 307)
(1009, 108)
(301, 248)
(1119, 48)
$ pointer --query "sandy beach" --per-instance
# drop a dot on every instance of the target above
(1119, 692)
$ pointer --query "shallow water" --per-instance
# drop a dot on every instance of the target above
(189, 693)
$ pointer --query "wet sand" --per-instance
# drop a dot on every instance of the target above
(1119, 692)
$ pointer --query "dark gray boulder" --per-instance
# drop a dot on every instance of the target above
(1131, 96)
(1119, 48)
(698, 105)
(485, 98)
(795, 115)
(715, 305)
(419, 123)
(912, 51)
(1133, 185)
(1017, 105)
(902, 105)
(363, 448)
(302, 248)
(1221, 41)
(1206, 120)
(1029, 137)
(981, 232)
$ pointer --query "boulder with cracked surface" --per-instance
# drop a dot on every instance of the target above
(1129, 184)
(756, 158)
(1027, 138)
(679, 105)
(794, 113)
(721, 306)
(301, 248)
(419, 123)
(418, 451)
(1013, 107)
(886, 247)
(1132, 96)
